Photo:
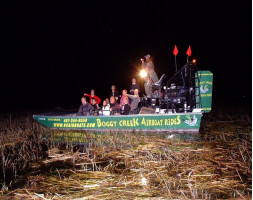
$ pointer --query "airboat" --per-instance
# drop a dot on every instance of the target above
(178, 106)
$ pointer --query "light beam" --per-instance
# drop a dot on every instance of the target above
(143, 73)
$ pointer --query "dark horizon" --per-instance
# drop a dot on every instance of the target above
(57, 51)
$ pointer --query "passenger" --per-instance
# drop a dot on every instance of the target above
(92, 95)
(114, 93)
(151, 78)
(125, 109)
(134, 86)
(95, 106)
(114, 106)
(135, 99)
(85, 108)
(124, 94)
(106, 107)
(150, 68)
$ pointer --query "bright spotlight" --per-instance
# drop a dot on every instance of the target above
(143, 73)
(194, 60)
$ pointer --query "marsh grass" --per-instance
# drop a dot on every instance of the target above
(215, 165)
(20, 144)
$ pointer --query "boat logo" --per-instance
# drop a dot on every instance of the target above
(191, 121)
(40, 118)
(204, 89)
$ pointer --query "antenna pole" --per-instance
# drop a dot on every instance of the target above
(176, 62)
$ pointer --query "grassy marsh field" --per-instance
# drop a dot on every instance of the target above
(214, 164)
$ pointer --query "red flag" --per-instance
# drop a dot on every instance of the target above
(175, 51)
(189, 51)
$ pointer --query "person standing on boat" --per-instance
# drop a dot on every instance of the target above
(135, 99)
(114, 93)
(85, 108)
(93, 96)
(151, 75)
(134, 86)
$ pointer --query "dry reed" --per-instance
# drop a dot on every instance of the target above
(215, 165)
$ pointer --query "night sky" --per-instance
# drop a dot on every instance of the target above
(54, 51)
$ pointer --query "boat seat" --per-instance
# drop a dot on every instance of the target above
(134, 111)
(94, 113)
(157, 85)
(113, 112)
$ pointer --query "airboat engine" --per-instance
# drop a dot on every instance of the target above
(183, 92)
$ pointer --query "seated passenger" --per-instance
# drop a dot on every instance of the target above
(92, 95)
(106, 107)
(135, 99)
(125, 109)
(124, 94)
(114, 106)
(95, 106)
(85, 108)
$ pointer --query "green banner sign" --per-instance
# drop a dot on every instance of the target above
(204, 90)
(181, 121)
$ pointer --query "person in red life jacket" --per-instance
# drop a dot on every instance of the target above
(93, 96)
(124, 94)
